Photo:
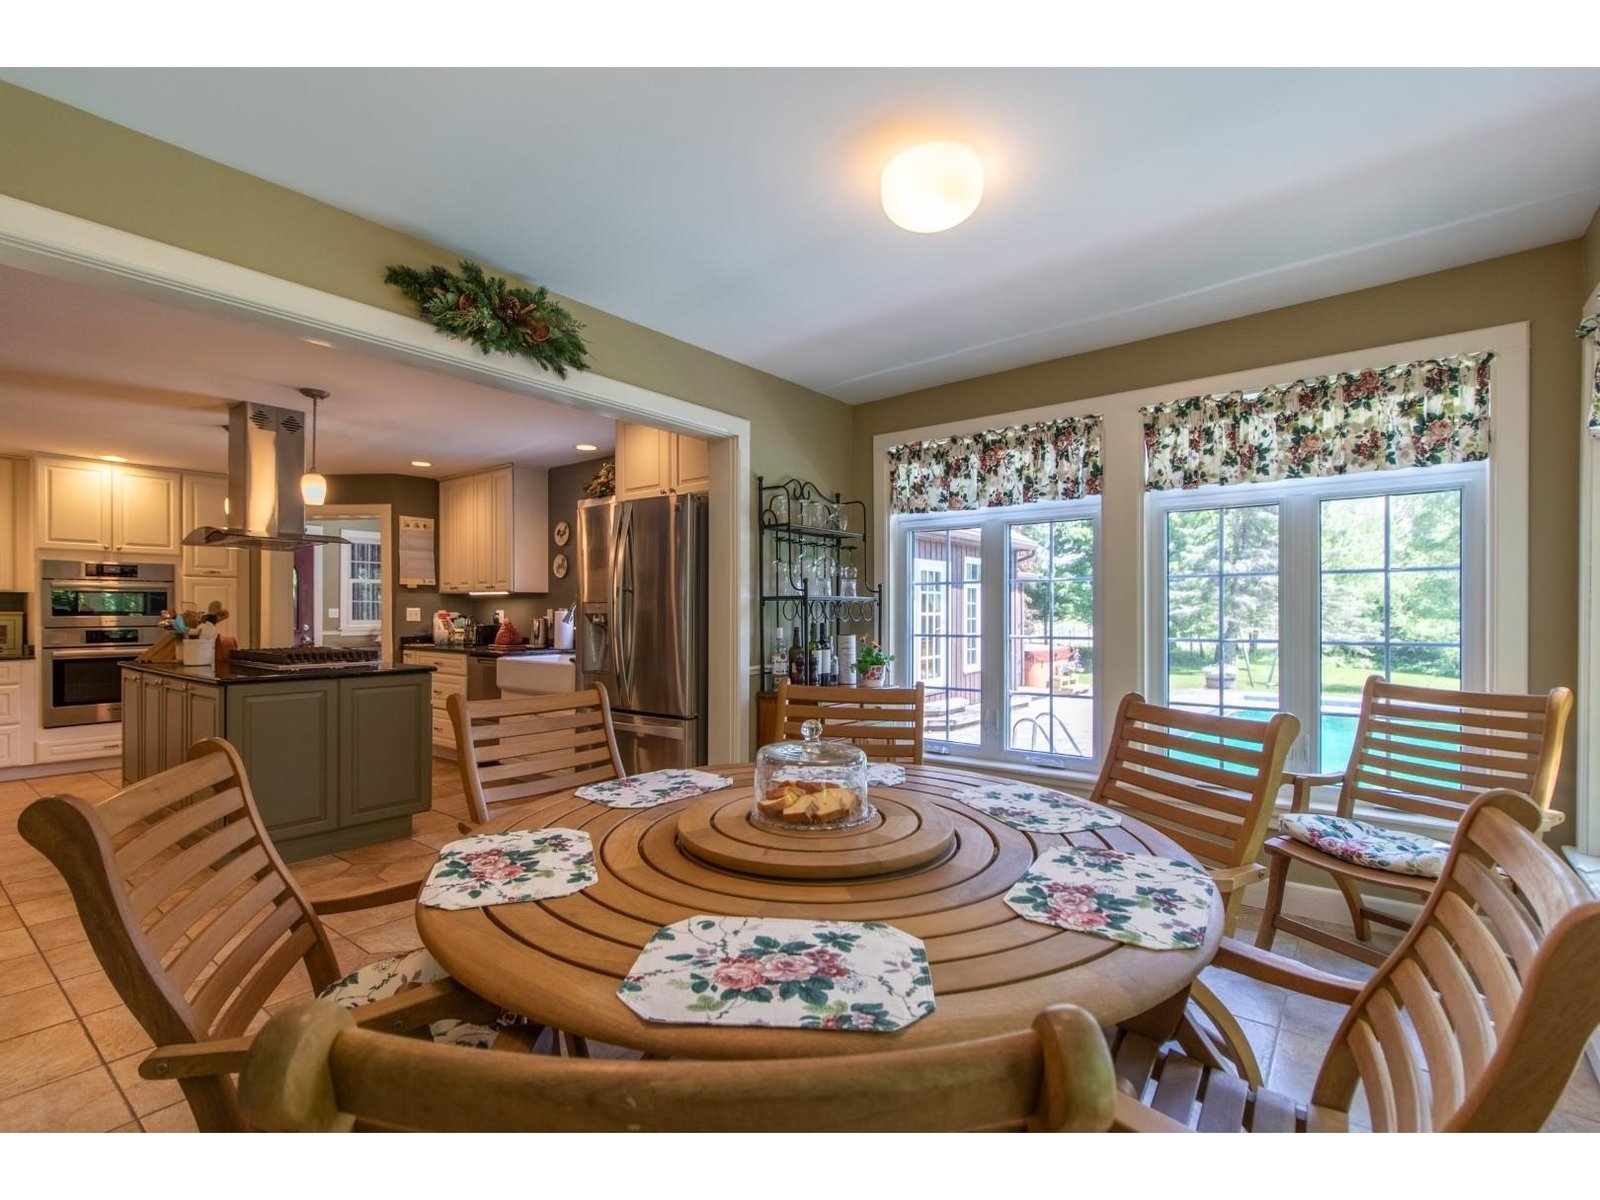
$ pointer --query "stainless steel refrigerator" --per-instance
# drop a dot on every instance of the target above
(641, 623)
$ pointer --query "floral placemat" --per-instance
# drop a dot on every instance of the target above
(508, 868)
(653, 788)
(878, 774)
(772, 971)
(1158, 903)
(1036, 809)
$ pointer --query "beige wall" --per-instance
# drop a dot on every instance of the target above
(65, 159)
(1536, 286)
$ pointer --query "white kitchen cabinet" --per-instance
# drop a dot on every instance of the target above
(204, 498)
(494, 531)
(83, 505)
(449, 678)
(201, 590)
(19, 702)
(653, 462)
(15, 559)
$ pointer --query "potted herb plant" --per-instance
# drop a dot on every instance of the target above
(872, 664)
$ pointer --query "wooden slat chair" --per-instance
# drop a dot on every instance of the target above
(516, 749)
(1218, 810)
(311, 1069)
(884, 722)
(196, 921)
(1473, 1024)
(1418, 751)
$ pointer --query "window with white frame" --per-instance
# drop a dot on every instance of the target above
(1024, 650)
(361, 582)
(1289, 595)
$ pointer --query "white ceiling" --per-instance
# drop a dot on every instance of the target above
(91, 372)
(737, 209)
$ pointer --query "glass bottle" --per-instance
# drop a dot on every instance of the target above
(797, 659)
(829, 676)
(779, 664)
(818, 656)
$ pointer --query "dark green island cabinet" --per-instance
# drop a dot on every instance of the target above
(335, 758)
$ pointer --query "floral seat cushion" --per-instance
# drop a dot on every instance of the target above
(390, 976)
(1367, 845)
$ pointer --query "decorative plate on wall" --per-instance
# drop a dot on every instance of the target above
(563, 532)
(558, 566)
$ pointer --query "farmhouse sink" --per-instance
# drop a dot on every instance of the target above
(555, 671)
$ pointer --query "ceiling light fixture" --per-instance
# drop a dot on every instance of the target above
(112, 458)
(417, 462)
(932, 187)
(318, 342)
(313, 487)
(586, 446)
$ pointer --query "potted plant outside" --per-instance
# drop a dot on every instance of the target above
(872, 664)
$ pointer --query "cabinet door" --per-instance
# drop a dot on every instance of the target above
(644, 461)
(203, 497)
(288, 735)
(132, 735)
(152, 744)
(202, 712)
(497, 526)
(144, 511)
(691, 465)
(455, 535)
(201, 590)
(11, 470)
(481, 511)
(174, 734)
(72, 504)
(385, 735)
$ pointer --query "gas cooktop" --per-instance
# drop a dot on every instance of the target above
(305, 658)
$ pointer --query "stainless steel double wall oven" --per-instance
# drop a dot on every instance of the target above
(93, 618)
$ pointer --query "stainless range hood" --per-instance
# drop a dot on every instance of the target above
(266, 457)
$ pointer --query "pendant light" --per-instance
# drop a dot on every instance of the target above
(313, 487)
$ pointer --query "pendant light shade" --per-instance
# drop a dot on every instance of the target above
(313, 486)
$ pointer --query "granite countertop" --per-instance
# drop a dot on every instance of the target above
(490, 651)
(241, 674)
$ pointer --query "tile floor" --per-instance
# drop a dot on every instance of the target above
(69, 1050)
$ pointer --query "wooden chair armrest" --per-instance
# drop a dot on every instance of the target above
(1129, 1116)
(1231, 879)
(196, 1059)
(442, 1000)
(1245, 959)
(1301, 801)
(329, 898)
(1549, 818)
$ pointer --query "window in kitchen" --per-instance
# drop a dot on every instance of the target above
(361, 582)
(1289, 595)
(1013, 677)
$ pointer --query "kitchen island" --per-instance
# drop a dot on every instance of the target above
(337, 757)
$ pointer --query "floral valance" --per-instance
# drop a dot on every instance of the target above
(1046, 460)
(1589, 327)
(1417, 414)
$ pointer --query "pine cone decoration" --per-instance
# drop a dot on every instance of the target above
(508, 310)
(539, 331)
(465, 303)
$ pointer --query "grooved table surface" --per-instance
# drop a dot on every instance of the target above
(560, 961)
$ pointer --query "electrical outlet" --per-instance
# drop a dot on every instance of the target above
(333, 614)
(413, 614)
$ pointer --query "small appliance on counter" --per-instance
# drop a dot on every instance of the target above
(561, 629)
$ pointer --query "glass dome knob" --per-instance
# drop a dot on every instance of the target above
(811, 730)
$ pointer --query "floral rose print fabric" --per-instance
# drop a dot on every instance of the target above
(1047, 460)
(507, 868)
(1414, 415)
(1366, 844)
(391, 976)
(1157, 903)
(652, 788)
(1037, 809)
(798, 974)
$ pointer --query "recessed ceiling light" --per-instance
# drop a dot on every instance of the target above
(317, 342)
(112, 458)
(417, 462)
(586, 446)
(932, 187)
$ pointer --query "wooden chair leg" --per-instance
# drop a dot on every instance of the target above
(1276, 880)
(1234, 1045)
(1353, 901)
(574, 1045)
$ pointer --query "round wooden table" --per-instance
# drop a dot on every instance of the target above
(560, 961)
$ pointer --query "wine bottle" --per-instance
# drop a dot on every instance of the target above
(829, 674)
(797, 659)
(818, 655)
(778, 664)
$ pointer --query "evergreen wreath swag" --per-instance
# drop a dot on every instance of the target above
(488, 312)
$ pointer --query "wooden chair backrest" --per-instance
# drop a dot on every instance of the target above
(1477, 1019)
(884, 722)
(311, 1069)
(1217, 809)
(1433, 751)
(522, 747)
(193, 915)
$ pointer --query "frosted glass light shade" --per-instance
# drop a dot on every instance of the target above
(313, 488)
(932, 187)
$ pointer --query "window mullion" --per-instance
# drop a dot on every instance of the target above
(1299, 623)
(994, 627)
